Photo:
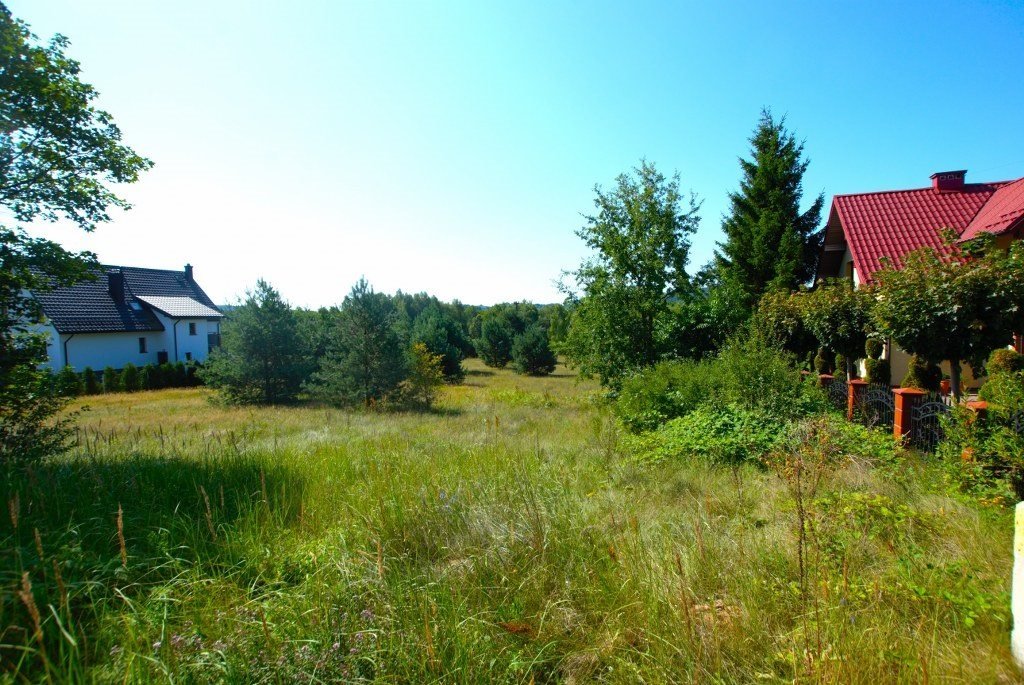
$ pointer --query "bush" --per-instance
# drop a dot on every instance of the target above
(442, 336)
(130, 378)
(985, 458)
(922, 375)
(531, 353)
(1004, 361)
(873, 348)
(146, 377)
(747, 375)
(665, 391)
(426, 375)
(111, 381)
(165, 375)
(1004, 391)
(68, 383)
(878, 371)
(718, 435)
(90, 384)
(821, 364)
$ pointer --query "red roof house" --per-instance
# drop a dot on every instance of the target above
(864, 228)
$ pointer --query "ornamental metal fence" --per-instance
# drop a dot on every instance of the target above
(926, 421)
(876, 407)
(838, 392)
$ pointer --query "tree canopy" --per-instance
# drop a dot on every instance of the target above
(641, 237)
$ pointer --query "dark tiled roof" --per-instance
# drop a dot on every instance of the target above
(89, 307)
(888, 225)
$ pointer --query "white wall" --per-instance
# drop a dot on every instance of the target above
(100, 350)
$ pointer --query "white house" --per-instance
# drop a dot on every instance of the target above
(128, 314)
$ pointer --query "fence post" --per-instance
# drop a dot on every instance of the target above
(906, 400)
(980, 408)
(1017, 596)
(825, 379)
(855, 395)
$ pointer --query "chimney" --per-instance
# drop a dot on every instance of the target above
(115, 284)
(188, 272)
(946, 181)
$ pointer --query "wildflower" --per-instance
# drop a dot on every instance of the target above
(157, 645)
(115, 650)
(366, 615)
(336, 646)
(219, 646)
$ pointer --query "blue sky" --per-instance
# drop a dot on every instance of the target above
(452, 146)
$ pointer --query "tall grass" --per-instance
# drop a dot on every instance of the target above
(506, 537)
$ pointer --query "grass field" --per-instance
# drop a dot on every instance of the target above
(506, 537)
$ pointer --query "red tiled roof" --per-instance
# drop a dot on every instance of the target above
(892, 223)
(1003, 210)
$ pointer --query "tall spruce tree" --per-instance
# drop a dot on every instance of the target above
(769, 242)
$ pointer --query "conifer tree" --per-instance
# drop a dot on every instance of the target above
(769, 242)
(262, 359)
(366, 361)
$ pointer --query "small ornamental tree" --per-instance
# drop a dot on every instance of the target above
(840, 318)
(954, 305)
(531, 353)
(365, 362)
(261, 360)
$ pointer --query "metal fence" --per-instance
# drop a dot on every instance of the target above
(876, 407)
(926, 422)
(838, 392)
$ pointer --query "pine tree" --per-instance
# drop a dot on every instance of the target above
(769, 242)
(366, 361)
(262, 359)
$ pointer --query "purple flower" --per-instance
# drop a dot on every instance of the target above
(366, 615)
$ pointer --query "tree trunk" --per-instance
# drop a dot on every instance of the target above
(851, 364)
(954, 378)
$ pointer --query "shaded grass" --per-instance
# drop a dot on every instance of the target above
(507, 539)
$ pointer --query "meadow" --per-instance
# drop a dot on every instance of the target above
(508, 536)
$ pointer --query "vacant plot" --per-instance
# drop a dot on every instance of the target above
(509, 536)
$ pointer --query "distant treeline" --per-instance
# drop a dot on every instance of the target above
(374, 347)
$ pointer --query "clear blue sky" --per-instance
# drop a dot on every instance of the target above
(452, 146)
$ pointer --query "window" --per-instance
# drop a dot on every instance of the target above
(188, 356)
(142, 346)
(192, 328)
(136, 306)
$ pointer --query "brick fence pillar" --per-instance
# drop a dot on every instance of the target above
(979, 409)
(825, 379)
(855, 395)
(906, 400)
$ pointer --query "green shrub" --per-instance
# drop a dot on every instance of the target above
(746, 374)
(180, 377)
(821, 364)
(68, 383)
(985, 458)
(111, 380)
(1004, 391)
(878, 371)
(531, 353)
(90, 384)
(1004, 361)
(719, 435)
(165, 375)
(145, 377)
(922, 375)
(130, 378)
(873, 348)
(665, 391)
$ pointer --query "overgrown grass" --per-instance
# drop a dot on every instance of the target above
(507, 537)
